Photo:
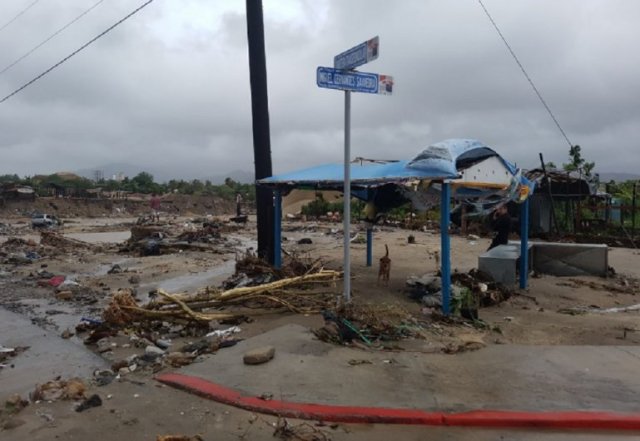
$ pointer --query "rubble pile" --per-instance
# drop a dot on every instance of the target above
(252, 270)
(206, 304)
(155, 239)
(19, 251)
(372, 324)
(60, 242)
(476, 285)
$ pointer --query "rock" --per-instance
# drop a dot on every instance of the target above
(64, 295)
(12, 423)
(115, 269)
(178, 359)
(134, 280)
(66, 334)
(153, 350)
(305, 241)
(259, 355)
(163, 344)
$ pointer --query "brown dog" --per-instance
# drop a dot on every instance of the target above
(385, 267)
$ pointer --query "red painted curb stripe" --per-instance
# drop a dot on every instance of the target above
(380, 415)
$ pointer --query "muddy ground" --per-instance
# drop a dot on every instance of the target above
(537, 316)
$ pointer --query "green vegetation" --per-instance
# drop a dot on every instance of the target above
(141, 183)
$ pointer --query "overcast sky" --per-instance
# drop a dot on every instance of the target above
(168, 90)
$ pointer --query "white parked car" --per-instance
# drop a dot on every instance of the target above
(44, 221)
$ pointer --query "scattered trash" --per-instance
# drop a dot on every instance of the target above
(66, 334)
(93, 401)
(590, 310)
(46, 416)
(55, 390)
(411, 239)
(14, 404)
(299, 432)
(179, 438)
(355, 362)
(372, 324)
(56, 281)
(223, 333)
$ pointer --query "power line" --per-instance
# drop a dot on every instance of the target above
(50, 37)
(526, 75)
(18, 15)
(135, 11)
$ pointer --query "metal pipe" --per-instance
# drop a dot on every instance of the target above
(524, 244)
(369, 246)
(277, 229)
(445, 248)
(347, 196)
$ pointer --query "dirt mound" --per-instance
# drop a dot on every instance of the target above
(174, 204)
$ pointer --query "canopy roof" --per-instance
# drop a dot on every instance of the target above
(445, 160)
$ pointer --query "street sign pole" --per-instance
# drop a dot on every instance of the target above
(347, 197)
(342, 76)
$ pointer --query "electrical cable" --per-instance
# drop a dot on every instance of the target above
(526, 75)
(9, 66)
(135, 11)
(18, 15)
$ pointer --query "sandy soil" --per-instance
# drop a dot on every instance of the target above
(530, 317)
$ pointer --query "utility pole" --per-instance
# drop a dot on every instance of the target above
(261, 137)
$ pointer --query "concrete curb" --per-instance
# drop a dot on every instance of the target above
(378, 415)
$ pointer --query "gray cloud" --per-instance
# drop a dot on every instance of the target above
(169, 89)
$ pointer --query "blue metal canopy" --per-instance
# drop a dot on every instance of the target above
(365, 173)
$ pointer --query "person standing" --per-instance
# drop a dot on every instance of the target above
(238, 204)
(155, 207)
(501, 225)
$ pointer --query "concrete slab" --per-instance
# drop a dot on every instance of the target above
(571, 259)
(498, 377)
(501, 263)
(48, 356)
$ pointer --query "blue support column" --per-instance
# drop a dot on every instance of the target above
(369, 246)
(277, 229)
(445, 248)
(524, 244)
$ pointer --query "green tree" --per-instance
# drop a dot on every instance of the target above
(577, 162)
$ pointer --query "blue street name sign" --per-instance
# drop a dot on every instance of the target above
(364, 82)
(358, 55)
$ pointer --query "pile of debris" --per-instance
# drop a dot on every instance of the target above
(155, 240)
(60, 242)
(290, 294)
(7, 353)
(19, 251)
(372, 324)
(475, 284)
(252, 270)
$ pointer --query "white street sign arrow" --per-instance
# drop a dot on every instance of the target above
(358, 55)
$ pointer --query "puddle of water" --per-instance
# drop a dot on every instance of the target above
(104, 237)
(192, 281)
(48, 356)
